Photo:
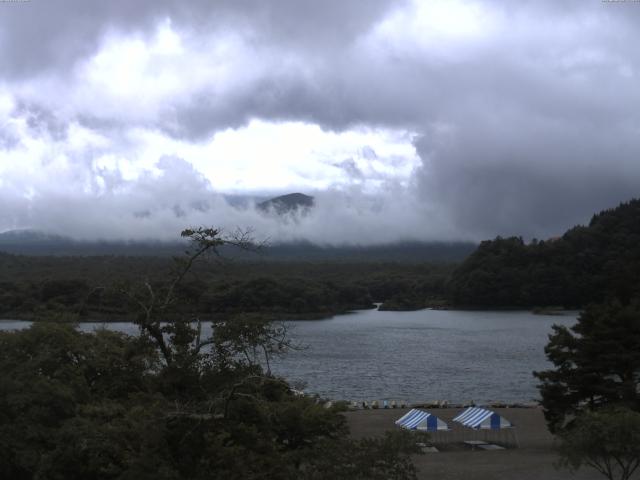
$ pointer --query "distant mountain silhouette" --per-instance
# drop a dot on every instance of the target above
(287, 203)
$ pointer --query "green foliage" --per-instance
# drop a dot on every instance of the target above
(54, 381)
(607, 440)
(285, 296)
(597, 363)
(103, 406)
(586, 264)
(42, 288)
(67, 292)
(170, 404)
(368, 459)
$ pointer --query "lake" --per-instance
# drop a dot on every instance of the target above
(413, 356)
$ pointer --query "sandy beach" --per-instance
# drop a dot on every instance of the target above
(533, 459)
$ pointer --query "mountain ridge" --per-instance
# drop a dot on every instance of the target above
(284, 204)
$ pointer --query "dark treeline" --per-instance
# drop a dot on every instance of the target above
(84, 288)
(587, 264)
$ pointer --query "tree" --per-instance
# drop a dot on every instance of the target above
(606, 440)
(177, 340)
(381, 458)
(72, 402)
(170, 404)
(597, 364)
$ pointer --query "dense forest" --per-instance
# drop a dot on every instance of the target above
(587, 264)
(83, 288)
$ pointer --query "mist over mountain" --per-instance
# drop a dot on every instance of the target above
(281, 210)
(284, 204)
(31, 242)
(34, 242)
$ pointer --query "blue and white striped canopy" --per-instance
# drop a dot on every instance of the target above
(421, 420)
(481, 418)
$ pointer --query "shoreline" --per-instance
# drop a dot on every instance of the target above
(533, 459)
(432, 405)
(310, 316)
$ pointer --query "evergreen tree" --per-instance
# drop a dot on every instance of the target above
(597, 363)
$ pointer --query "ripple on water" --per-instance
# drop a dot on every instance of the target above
(413, 356)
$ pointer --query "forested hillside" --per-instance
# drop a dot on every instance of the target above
(587, 264)
(85, 288)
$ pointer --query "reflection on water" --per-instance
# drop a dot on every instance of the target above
(414, 356)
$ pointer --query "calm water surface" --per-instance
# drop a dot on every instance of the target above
(422, 356)
(413, 356)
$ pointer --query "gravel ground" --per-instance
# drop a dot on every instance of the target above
(533, 459)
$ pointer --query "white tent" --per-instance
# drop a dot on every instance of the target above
(482, 419)
(420, 420)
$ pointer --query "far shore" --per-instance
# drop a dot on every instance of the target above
(285, 317)
(128, 319)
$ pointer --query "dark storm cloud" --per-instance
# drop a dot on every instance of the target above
(50, 38)
(537, 142)
(559, 60)
(531, 189)
(279, 97)
(526, 117)
(41, 35)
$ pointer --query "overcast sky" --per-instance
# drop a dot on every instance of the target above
(425, 119)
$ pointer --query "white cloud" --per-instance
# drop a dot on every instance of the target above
(512, 107)
(278, 156)
(448, 30)
(142, 183)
